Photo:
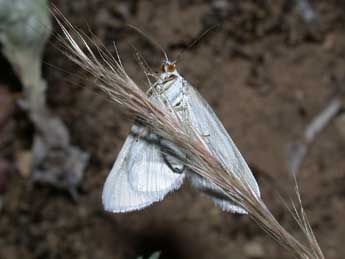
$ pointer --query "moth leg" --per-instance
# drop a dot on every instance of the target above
(139, 132)
(181, 105)
(180, 108)
(178, 169)
(172, 156)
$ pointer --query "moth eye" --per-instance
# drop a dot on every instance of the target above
(161, 68)
(171, 68)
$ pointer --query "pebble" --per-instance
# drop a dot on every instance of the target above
(254, 250)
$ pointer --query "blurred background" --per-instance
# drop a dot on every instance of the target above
(272, 70)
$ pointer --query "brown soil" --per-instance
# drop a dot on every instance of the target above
(265, 72)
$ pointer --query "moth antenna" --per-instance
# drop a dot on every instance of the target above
(194, 42)
(143, 62)
(152, 41)
(144, 65)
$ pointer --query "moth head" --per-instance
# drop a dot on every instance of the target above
(168, 67)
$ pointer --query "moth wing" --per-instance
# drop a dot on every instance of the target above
(149, 172)
(214, 192)
(207, 124)
(120, 194)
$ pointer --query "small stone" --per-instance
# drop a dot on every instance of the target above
(254, 250)
(221, 7)
(24, 163)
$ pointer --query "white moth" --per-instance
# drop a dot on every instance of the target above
(142, 174)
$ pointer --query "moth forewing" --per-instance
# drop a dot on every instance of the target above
(219, 143)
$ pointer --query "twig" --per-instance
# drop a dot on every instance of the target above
(298, 151)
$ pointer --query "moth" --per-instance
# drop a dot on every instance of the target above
(143, 173)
